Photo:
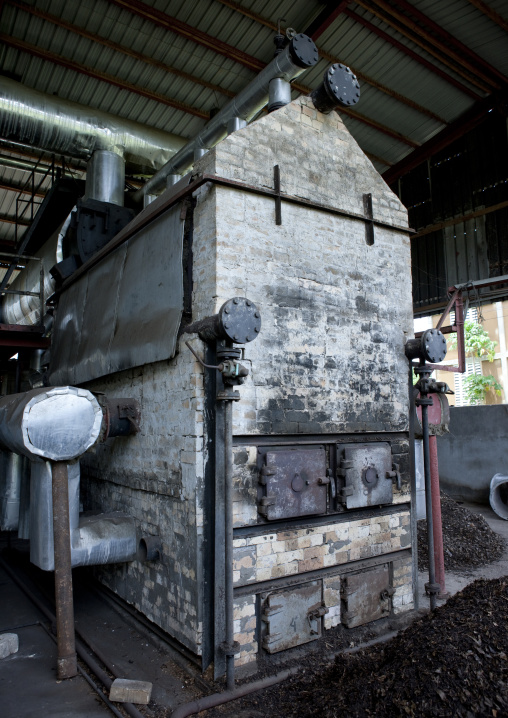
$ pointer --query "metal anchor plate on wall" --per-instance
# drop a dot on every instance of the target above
(293, 617)
(366, 596)
(367, 473)
(295, 482)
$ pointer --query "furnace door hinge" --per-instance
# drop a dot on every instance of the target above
(264, 504)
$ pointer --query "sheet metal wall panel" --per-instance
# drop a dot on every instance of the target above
(125, 311)
(99, 318)
(150, 308)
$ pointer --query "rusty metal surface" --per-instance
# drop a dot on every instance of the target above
(292, 617)
(364, 468)
(365, 596)
(126, 310)
(67, 662)
(295, 483)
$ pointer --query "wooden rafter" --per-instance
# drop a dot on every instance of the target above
(413, 31)
(36, 12)
(411, 53)
(99, 75)
(490, 13)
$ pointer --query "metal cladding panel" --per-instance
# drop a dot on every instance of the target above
(126, 310)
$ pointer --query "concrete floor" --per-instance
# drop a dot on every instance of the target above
(28, 683)
(456, 580)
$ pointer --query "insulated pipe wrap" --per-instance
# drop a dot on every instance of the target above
(57, 125)
(300, 54)
(58, 423)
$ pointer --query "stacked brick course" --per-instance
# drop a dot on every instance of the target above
(329, 360)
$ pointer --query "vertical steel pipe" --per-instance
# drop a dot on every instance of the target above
(428, 505)
(436, 517)
(66, 664)
(228, 548)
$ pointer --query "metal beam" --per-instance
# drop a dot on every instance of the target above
(411, 53)
(450, 39)
(490, 13)
(458, 220)
(99, 75)
(415, 33)
(378, 126)
(190, 33)
(20, 189)
(325, 18)
(461, 126)
(30, 9)
(12, 220)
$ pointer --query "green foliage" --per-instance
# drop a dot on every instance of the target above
(477, 343)
(477, 386)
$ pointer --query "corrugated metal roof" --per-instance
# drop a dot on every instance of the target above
(402, 94)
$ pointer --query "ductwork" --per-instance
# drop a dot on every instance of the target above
(95, 539)
(300, 54)
(57, 125)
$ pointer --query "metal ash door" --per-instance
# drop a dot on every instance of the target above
(366, 470)
(366, 596)
(295, 483)
(293, 617)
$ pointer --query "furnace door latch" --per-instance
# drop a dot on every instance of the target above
(395, 476)
(315, 615)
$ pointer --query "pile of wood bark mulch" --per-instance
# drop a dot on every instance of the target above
(453, 662)
(468, 540)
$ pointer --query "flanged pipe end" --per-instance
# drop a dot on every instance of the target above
(340, 88)
(303, 51)
(431, 347)
(239, 320)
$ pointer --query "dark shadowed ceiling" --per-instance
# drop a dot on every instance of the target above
(429, 70)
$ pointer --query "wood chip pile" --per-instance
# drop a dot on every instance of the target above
(450, 663)
(468, 540)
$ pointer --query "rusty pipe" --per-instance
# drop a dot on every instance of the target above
(431, 587)
(437, 523)
(66, 662)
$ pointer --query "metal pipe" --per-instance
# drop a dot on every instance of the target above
(300, 54)
(428, 505)
(228, 544)
(436, 517)
(217, 699)
(56, 125)
(105, 177)
(67, 662)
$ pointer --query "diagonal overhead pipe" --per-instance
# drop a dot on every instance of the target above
(300, 54)
(65, 127)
